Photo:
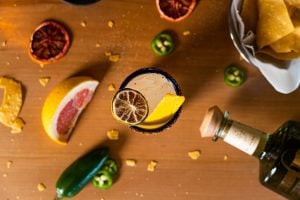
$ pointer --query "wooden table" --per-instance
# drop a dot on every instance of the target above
(197, 64)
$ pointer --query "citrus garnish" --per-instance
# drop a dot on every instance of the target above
(164, 111)
(64, 104)
(49, 42)
(129, 106)
(11, 105)
(175, 10)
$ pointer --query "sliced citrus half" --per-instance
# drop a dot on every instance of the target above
(175, 10)
(11, 104)
(164, 112)
(64, 104)
(49, 42)
(129, 106)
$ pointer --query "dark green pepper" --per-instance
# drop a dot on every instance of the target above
(80, 172)
(234, 76)
(163, 44)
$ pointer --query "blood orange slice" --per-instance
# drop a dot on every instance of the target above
(129, 106)
(49, 42)
(64, 104)
(175, 10)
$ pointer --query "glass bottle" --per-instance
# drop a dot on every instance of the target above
(278, 153)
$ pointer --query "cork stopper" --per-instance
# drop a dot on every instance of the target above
(211, 122)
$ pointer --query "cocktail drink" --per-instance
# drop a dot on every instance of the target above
(81, 2)
(149, 100)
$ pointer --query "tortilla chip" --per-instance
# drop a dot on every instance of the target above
(293, 3)
(280, 56)
(289, 43)
(274, 22)
(249, 14)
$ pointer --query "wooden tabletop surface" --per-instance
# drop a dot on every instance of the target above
(197, 64)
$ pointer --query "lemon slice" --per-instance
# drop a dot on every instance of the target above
(164, 111)
(11, 105)
(64, 104)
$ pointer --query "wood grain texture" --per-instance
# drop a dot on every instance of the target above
(197, 64)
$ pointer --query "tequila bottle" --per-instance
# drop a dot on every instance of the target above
(278, 153)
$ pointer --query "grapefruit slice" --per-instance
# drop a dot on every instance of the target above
(175, 10)
(49, 42)
(64, 104)
(163, 112)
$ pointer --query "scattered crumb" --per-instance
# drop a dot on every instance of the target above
(80, 144)
(41, 187)
(225, 157)
(102, 198)
(186, 193)
(42, 65)
(194, 155)
(8, 164)
(83, 23)
(186, 33)
(4, 43)
(107, 53)
(18, 57)
(44, 81)
(4, 175)
(141, 195)
(7, 63)
(111, 87)
(130, 162)
(241, 58)
(113, 134)
(112, 57)
(151, 166)
(110, 23)
(98, 45)
(17, 197)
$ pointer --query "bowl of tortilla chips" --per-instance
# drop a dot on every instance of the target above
(267, 35)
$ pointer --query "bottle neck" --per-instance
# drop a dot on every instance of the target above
(243, 137)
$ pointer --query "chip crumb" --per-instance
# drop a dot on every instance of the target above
(41, 187)
(4, 43)
(44, 81)
(111, 87)
(83, 23)
(225, 157)
(8, 164)
(111, 23)
(113, 134)
(194, 155)
(186, 33)
(152, 166)
(97, 45)
(130, 162)
(107, 53)
(114, 58)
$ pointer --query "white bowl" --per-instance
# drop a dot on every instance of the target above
(284, 76)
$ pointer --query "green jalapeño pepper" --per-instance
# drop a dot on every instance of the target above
(80, 172)
(103, 180)
(163, 44)
(234, 76)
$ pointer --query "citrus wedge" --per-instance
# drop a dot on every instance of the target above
(129, 107)
(164, 112)
(11, 105)
(64, 104)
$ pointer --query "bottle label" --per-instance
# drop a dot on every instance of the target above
(243, 137)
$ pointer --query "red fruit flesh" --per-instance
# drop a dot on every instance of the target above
(67, 117)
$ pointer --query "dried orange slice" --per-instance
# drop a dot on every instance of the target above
(49, 42)
(129, 106)
(175, 10)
